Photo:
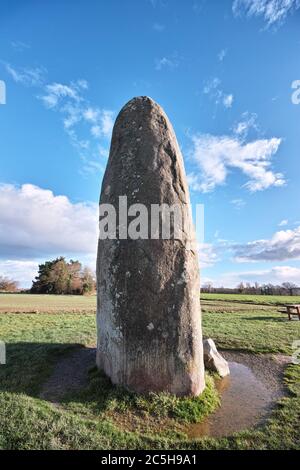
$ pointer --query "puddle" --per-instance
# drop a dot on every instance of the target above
(245, 402)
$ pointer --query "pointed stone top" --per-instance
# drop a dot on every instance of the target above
(141, 103)
(140, 100)
(142, 112)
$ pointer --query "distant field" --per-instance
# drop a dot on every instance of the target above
(254, 299)
(34, 303)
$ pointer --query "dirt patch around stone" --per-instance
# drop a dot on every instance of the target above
(70, 375)
(248, 395)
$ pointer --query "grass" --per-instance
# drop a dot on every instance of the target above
(254, 299)
(36, 303)
(254, 328)
(104, 417)
(101, 395)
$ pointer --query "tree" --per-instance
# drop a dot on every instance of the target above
(88, 281)
(207, 287)
(8, 285)
(240, 287)
(289, 286)
(60, 277)
(49, 277)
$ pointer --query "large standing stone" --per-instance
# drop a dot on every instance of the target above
(148, 313)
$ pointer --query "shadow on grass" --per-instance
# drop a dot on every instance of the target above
(271, 319)
(58, 373)
(29, 365)
(66, 374)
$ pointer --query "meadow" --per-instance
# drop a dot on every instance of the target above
(43, 331)
(254, 299)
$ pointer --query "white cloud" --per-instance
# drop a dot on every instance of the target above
(276, 275)
(283, 223)
(91, 114)
(96, 131)
(238, 203)
(222, 54)
(207, 255)
(26, 76)
(215, 156)
(107, 122)
(56, 92)
(284, 245)
(166, 62)
(212, 88)
(272, 11)
(247, 122)
(228, 101)
(69, 101)
(102, 120)
(80, 119)
(22, 271)
(78, 114)
(91, 167)
(20, 45)
(158, 3)
(34, 222)
(211, 85)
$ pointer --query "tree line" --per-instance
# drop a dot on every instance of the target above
(57, 277)
(61, 277)
(286, 288)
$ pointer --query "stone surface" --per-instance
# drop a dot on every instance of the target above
(213, 359)
(148, 312)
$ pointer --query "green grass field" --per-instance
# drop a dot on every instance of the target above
(102, 417)
(35, 303)
(254, 299)
(29, 303)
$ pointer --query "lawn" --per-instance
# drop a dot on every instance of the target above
(35, 303)
(254, 299)
(103, 417)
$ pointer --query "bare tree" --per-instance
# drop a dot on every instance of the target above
(8, 285)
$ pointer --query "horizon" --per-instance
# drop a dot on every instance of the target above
(65, 73)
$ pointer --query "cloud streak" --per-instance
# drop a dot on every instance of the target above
(26, 76)
(274, 12)
(213, 89)
(166, 62)
(283, 245)
(87, 126)
(215, 156)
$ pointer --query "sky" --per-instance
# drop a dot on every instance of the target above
(222, 71)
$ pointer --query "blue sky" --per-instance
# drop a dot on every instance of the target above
(222, 71)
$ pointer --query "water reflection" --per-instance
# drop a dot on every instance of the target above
(245, 401)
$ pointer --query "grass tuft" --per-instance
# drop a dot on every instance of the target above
(185, 409)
